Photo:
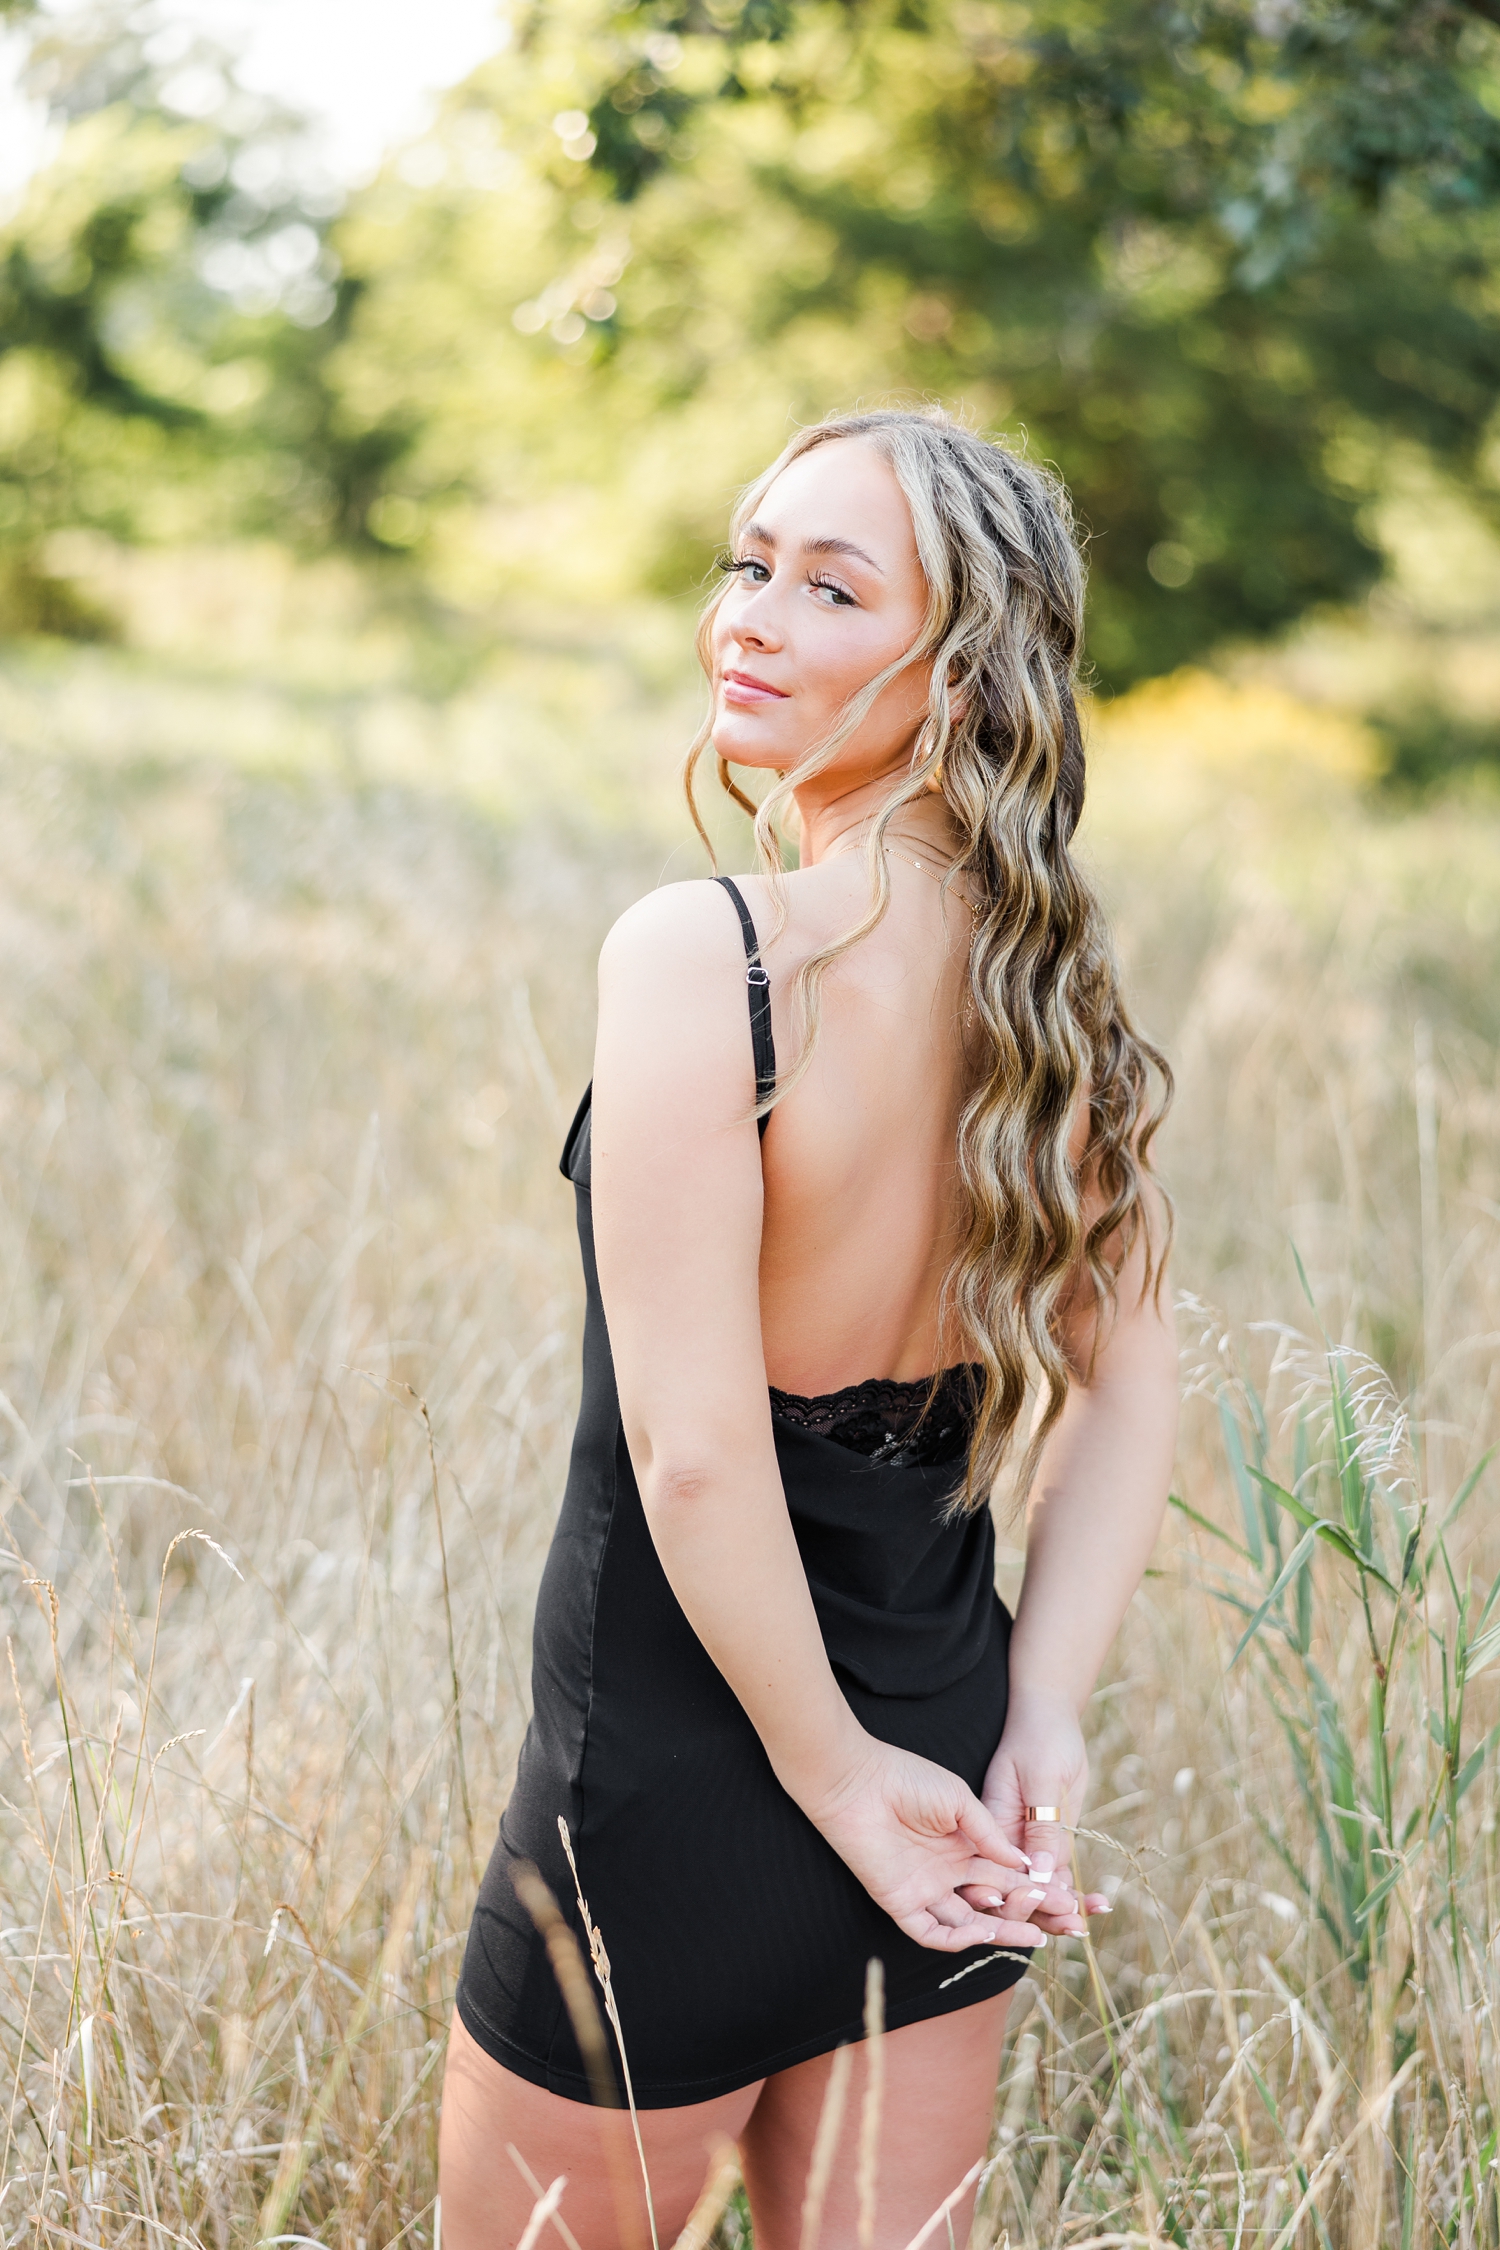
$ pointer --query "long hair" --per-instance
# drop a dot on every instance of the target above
(1002, 740)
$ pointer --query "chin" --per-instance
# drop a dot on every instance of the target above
(729, 742)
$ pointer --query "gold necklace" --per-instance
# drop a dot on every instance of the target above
(934, 877)
(975, 916)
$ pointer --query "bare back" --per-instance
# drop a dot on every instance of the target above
(811, 1260)
(859, 1156)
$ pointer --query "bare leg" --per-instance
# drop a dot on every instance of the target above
(486, 2201)
(936, 2118)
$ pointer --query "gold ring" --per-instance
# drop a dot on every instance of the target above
(1043, 1813)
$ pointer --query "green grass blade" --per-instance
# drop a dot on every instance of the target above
(1381, 1892)
(1284, 1499)
(1245, 1491)
(1287, 1573)
(1469, 1772)
(1482, 1653)
(1215, 1531)
(1467, 1487)
(1334, 1533)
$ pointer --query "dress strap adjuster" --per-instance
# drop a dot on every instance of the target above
(758, 981)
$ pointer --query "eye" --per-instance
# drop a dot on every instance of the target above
(841, 598)
(744, 566)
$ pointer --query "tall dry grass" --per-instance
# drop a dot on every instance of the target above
(289, 1340)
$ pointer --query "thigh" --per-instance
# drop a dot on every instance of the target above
(488, 2110)
(936, 2115)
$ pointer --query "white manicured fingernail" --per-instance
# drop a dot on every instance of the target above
(1041, 1940)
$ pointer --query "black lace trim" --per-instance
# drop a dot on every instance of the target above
(898, 1425)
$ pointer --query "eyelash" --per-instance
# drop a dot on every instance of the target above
(734, 566)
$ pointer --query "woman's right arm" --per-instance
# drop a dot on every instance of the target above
(677, 1224)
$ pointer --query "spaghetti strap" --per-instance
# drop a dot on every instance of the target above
(758, 984)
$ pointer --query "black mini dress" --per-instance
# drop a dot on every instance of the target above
(738, 1939)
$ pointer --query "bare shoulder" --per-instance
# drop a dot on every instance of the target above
(677, 918)
(678, 942)
(686, 936)
(672, 1040)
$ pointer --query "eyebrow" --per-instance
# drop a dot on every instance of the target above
(758, 531)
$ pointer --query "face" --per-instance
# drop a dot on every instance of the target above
(827, 592)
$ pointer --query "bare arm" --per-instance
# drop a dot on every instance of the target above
(1100, 1493)
(677, 1221)
(1096, 1509)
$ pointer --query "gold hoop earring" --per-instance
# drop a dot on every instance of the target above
(934, 780)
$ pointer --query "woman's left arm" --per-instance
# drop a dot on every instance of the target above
(1096, 1508)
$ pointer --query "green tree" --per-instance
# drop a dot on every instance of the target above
(1216, 260)
(1220, 259)
(164, 288)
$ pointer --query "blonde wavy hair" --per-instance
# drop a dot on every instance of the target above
(1002, 741)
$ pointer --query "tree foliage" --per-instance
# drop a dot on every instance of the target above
(1219, 260)
(1215, 259)
(162, 290)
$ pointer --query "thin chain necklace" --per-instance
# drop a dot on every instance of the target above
(934, 877)
(975, 916)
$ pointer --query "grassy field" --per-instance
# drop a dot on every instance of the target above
(297, 975)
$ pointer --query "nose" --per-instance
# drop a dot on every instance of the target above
(753, 620)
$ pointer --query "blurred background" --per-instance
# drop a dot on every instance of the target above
(374, 384)
(496, 308)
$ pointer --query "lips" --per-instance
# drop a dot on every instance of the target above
(743, 688)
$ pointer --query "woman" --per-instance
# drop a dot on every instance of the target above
(777, 1701)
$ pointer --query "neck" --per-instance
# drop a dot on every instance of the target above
(835, 816)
